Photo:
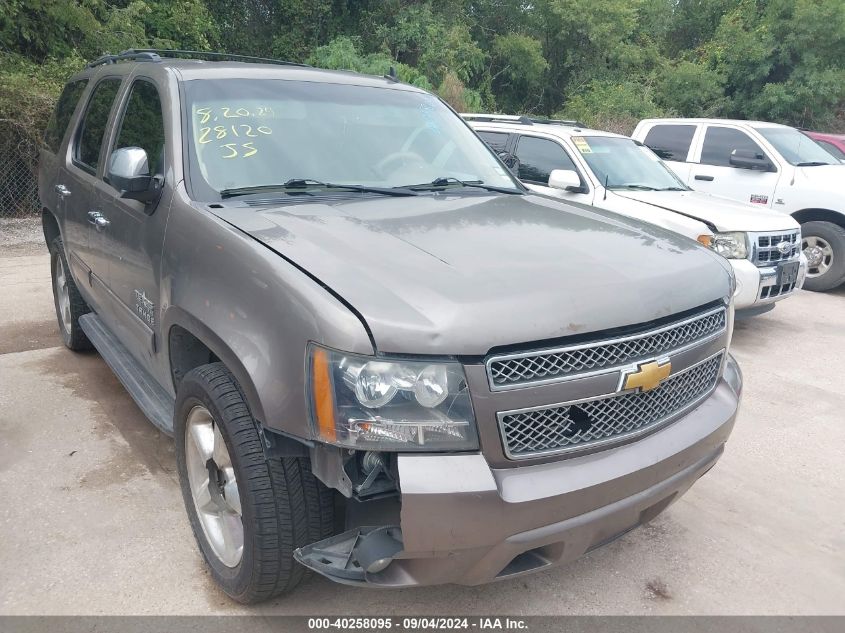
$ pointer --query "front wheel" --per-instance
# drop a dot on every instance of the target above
(69, 303)
(823, 244)
(248, 513)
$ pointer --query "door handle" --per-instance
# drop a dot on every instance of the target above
(703, 177)
(98, 220)
(62, 191)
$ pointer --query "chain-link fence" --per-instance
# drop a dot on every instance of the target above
(18, 175)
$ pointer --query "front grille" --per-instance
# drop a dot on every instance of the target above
(608, 419)
(767, 249)
(539, 367)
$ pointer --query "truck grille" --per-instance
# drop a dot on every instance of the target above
(607, 419)
(767, 251)
(553, 365)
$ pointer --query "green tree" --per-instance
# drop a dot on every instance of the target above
(519, 72)
(41, 29)
(613, 106)
(342, 53)
(690, 89)
(606, 61)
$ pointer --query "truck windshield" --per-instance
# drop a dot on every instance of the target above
(621, 163)
(796, 148)
(266, 132)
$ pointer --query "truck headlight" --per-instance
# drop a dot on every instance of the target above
(374, 404)
(730, 245)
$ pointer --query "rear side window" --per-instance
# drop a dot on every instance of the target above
(93, 130)
(65, 106)
(496, 140)
(143, 125)
(538, 157)
(719, 142)
(670, 142)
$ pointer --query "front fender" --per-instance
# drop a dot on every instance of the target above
(254, 310)
(176, 316)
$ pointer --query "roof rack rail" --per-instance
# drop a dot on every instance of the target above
(491, 118)
(127, 55)
(156, 55)
(566, 122)
(521, 119)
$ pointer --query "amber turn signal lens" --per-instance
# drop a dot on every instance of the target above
(707, 240)
(323, 397)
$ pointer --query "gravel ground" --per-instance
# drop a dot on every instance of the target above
(20, 236)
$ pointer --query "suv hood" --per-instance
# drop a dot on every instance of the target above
(724, 214)
(461, 274)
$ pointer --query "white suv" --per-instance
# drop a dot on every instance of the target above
(767, 165)
(566, 160)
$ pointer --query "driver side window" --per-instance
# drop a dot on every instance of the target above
(719, 142)
(143, 125)
(538, 157)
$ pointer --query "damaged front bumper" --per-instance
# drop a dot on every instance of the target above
(464, 522)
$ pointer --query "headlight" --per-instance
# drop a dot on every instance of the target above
(730, 245)
(373, 404)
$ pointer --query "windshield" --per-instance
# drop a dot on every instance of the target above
(623, 164)
(796, 148)
(254, 133)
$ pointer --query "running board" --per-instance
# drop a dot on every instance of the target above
(150, 397)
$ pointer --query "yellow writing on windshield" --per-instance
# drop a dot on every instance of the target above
(220, 126)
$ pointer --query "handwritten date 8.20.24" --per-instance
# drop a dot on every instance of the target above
(230, 136)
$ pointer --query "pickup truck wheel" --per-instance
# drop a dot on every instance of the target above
(69, 303)
(248, 513)
(823, 244)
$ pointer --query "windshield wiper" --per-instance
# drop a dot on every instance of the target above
(637, 187)
(812, 163)
(445, 181)
(307, 183)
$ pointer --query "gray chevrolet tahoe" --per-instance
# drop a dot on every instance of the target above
(381, 358)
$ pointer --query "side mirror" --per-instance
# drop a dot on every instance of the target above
(749, 159)
(565, 179)
(129, 172)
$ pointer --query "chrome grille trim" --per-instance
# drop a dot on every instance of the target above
(764, 251)
(554, 365)
(540, 431)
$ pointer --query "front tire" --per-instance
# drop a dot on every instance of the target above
(69, 303)
(248, 513)
(823, 244)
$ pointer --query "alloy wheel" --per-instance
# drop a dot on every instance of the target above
(60, 282)
(213, 486)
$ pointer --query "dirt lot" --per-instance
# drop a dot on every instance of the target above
(91, 519)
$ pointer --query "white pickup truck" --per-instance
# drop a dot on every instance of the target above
(767, 165)
(566, 160)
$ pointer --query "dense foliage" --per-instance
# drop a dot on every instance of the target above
(606, 62)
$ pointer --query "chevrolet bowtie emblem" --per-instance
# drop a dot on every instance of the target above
(647, 376)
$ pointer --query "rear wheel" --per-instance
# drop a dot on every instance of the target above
(69, 303)
(823, 244)
(248, 513)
